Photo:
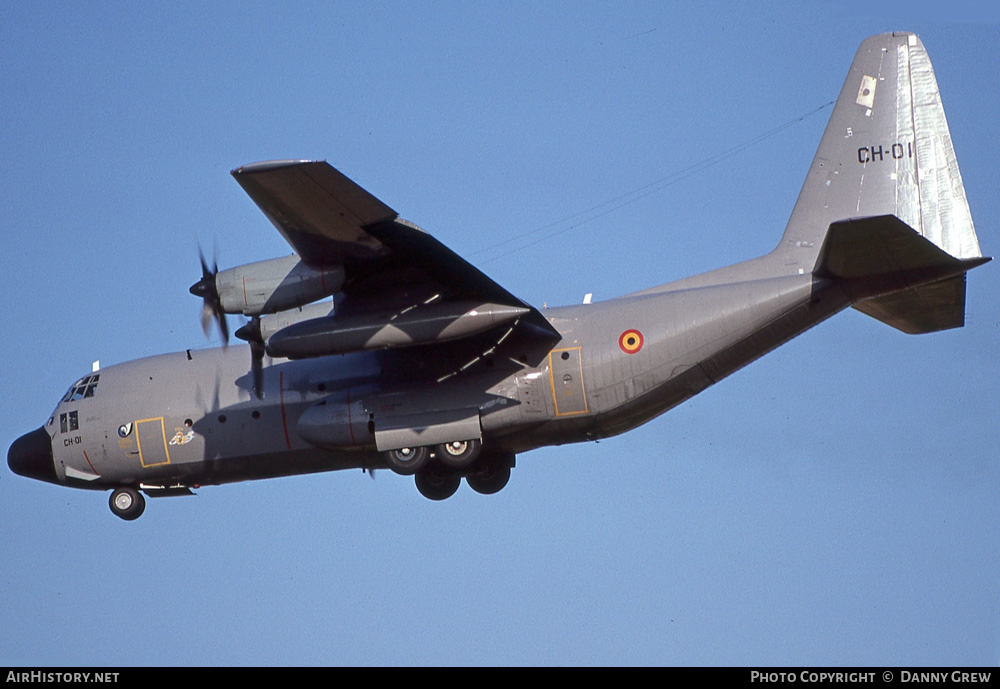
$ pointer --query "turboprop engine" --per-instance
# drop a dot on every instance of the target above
(277, 284)
(416, 325)
(317, 330)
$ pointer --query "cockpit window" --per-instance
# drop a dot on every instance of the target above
(69, 422)
(85, 387)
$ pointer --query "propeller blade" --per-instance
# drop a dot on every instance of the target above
(251, 333)
(211, 303)
(220, 319)
(257, 368)
(206, 319)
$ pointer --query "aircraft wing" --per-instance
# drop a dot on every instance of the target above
(329, 220)
(319, 211)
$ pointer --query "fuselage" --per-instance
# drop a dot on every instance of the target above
(191, 418)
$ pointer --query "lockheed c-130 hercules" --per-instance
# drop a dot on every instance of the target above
(422, 364)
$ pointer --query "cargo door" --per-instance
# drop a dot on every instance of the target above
(566, 378)
(152, 442)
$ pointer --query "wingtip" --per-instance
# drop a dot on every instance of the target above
(266, 165)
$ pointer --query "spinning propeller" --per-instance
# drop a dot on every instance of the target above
(251, 333)
(212, 304)
(211, 309)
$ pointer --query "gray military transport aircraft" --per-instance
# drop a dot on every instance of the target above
(422, 364)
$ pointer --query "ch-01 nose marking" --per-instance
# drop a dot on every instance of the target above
(152, 434)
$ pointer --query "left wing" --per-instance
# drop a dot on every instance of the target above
(319, 211)
(388, 262)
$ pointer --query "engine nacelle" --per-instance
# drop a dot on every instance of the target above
(418, 325)
(273, 323)
(275, 285)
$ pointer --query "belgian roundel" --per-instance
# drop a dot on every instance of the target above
(630, 341)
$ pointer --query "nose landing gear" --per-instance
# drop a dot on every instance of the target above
(127, 503)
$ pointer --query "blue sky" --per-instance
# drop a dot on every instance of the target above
(834, 503)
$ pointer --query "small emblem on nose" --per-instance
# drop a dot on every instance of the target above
(124, 430)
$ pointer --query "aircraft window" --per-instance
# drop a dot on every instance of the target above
(62, 423)
(85, 387)
(74, 421)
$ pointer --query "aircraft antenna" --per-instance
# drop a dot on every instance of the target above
(638, 194)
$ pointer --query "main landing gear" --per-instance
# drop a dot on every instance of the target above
(127, 503)
(437, 483)
(438, 471)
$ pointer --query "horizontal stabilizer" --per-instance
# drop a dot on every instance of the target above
(896, 275)
(883, 254)
(925, 309)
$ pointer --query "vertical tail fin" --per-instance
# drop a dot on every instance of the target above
(882, 211)
(886, 151)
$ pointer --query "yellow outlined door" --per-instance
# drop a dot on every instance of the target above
(566, 378)
(152, 441)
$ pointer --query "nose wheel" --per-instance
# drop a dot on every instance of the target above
(127, 503)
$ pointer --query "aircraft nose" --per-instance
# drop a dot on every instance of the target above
(31, 456)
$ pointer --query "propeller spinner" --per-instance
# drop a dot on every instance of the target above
(211, 303)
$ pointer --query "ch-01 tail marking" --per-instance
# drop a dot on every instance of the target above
(894, 151)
